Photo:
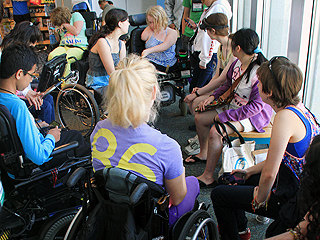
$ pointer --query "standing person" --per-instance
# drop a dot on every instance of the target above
(105, 7)
(106, 50)
(132, 99)
(71, 35)
(20, 10)
(29, 34)
(246, 111)
(204, 57)
(160, 40)
(276, 180)
(193, 10)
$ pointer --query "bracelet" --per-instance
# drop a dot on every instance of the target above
(197, 94)
(257, 205)
(294, 234)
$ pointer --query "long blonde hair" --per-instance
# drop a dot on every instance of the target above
(159, 15)
(132, 88)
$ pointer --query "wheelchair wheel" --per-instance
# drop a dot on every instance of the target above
(183, 107)
(199, 226)
(56, 227)
(77, 109)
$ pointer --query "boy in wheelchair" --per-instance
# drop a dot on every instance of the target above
(16, 69)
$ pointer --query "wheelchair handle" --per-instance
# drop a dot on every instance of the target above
(138, 192)
(75, 176)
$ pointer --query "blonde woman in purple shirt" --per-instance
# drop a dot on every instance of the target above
(126, 141)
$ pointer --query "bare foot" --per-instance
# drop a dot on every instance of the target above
(205, 179)
(194, 159)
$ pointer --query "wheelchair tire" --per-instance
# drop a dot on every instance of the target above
(208, 229)
(77, 109)
(183, 107)
(56, 226)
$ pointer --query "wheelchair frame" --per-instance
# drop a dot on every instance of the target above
(37, 203)
(109, 184)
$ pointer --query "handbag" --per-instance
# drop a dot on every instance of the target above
(236, 154)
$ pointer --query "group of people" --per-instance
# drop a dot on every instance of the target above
(131, 92)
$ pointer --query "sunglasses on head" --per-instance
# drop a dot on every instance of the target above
(270, 67)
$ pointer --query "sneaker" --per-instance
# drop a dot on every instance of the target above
(245, 235)
(193, 148)
(191, 140)
(262, 219)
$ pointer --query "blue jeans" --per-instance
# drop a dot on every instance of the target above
(201, 76)
(46, 113)
(230, 203)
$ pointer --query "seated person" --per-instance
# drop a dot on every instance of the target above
(106, 50)
(29, 34)
(160, 40)
(246, 111)
(126, 141)
(16, 69)
(273, 182)
(71, 35)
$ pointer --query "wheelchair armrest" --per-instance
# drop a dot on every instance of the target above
(64, 148)
(75, 176)
(137, 193)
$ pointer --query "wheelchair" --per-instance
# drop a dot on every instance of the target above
(76, 106)
(38, 204)
(121, 205)
(171, 84)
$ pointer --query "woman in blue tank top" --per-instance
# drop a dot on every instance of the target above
(272, 184)
(106, 50)
(160, 40)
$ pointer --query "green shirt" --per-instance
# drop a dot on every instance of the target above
(195, 16)
(69, 39)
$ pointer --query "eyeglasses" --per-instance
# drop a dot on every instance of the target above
(33, 76)
(272, 73)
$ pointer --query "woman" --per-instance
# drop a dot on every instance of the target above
(126, 141)
(106, 50)
(246, 111)
(71, 35)
(292, 132)
(160, 40)
(29, 34)
(216, 26)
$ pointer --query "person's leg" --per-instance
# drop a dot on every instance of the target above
(57, 52)
(72, 52)
(194, 61)
(187, 204)
(46, 113)
(214, 150)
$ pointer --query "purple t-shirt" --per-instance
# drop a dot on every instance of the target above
(143, 150)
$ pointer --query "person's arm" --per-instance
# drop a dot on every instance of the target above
(283, 129)
(103, 49)
(186, 14)
(170, 39)
(123, 50)
(146, 34)
(168, 7)
(75, 29)
(177, 189)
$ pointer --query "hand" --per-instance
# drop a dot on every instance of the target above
(202, 67)
(56, 133)
(189, 98)
(195, 89)
(34, 98)
(205, 102)
(191, 24)
(242, 171)
(145, 53)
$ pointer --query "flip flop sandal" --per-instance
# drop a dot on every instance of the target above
(195, 158)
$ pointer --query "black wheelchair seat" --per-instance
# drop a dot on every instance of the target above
(136, 45)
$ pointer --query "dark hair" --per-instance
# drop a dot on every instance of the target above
(309, 195)
(112, 19)
(16, 56)
(110, 2)
(219, 22)
(25, 32)
(248, 40)
(1, 10)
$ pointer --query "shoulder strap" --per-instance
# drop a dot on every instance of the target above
(228, 95)
(108, 43)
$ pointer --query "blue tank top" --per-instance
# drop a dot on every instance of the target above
(165, 58)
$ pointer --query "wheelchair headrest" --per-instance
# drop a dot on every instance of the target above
(138, 19)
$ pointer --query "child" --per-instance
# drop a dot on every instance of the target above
(16, 69)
